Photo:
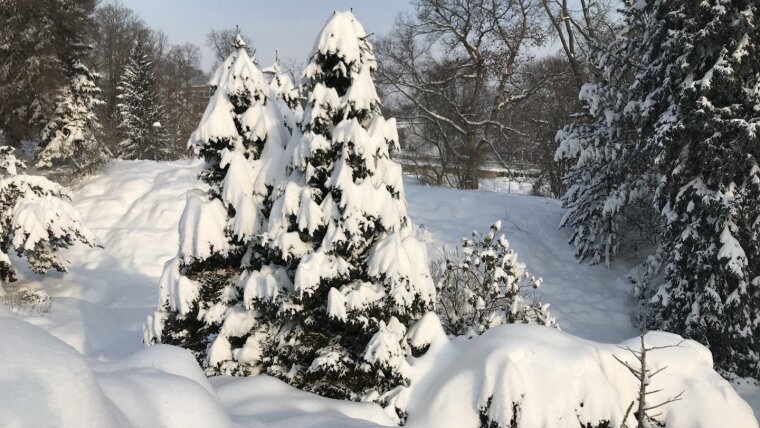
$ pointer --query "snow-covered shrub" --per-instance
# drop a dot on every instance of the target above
(526, 376)
(482, 285)
(27, 301)
(36, 220)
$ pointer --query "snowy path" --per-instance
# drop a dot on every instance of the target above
(591, 302)
(134, 208)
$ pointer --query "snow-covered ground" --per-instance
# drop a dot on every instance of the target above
(100, 306)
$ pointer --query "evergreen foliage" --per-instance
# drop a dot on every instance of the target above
(140, 109)
(682, 138)
(71, 135)
(341, 269)
(288, 96)
(241, 137)
(39, 42)
(36, 220)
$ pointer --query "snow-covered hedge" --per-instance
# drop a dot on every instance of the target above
(535, 376)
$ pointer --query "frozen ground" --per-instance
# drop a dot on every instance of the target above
(99, 308)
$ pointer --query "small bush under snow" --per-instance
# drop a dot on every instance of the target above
(481, 285)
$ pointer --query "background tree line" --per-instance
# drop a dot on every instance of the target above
(141, 91)
(488, 80)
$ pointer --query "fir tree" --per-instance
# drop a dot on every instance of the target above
(696, 97)
(683, 140)
(355, 277)
(610, 184)
(241, 138)
(140, 110)
(71, 136)
(36, 220)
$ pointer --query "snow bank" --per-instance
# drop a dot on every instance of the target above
(265, 401)
(162, 386)
(558, 380)
(46, 383)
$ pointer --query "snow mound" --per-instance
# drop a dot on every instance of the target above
(44, 382)
(541, 377)
(266, 401)
(162, 386)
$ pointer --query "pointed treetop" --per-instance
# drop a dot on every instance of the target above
(343, 36)
(239, 42)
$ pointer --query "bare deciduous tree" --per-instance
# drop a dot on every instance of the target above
(222, 41)
(457, 63)
(579, 26)
(644, 374)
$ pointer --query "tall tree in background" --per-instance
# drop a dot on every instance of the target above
(71, 136)
(672, 126)
(581, 26)
(457, 64)
(177, 74)
(39, 41)
(118, 27)
(141, 131)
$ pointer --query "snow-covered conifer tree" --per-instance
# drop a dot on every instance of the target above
(696, 96)
(70, 137)
(242, 138)
(288, 96)
(36, 220)
(355, 275)
(611, 182)
(140, 109)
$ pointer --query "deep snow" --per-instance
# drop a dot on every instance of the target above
(134, 207)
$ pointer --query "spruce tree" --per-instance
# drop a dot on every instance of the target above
(70, 137)
(140, 109)
(683, 109)
(696, 98)
(39, 41)
(241, 138)
(342, 275)
(611, 182)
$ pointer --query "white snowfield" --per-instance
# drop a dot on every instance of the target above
(84, 365)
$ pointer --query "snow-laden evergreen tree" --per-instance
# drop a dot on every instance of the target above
(140, 109)
(36, 220)
(483, 285)
(610, 184)
(201, 305)
(696, 96)
(342, 272)
(71, 135)
(288, 95)
(39, 40)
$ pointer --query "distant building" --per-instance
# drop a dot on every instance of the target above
(200, 94)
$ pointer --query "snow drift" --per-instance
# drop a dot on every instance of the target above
(535, 376)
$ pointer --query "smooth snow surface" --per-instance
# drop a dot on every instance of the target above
(134, 209)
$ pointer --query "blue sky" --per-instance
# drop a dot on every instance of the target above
(288, 26)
